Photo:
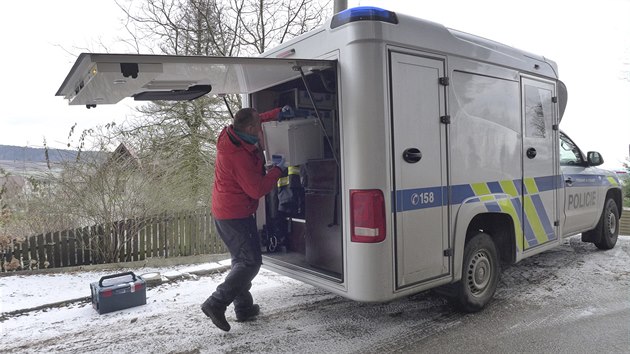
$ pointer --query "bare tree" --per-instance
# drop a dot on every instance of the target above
(171, 145)
(184, 133)
(178, 142)
(219, 27)
(181, 135)
(268, 23)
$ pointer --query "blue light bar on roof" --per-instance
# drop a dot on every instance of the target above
(363, 13)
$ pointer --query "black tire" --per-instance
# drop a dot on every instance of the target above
(480, 274)
(608, 226)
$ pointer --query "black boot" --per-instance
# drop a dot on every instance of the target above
(216, 312)
(247, 314)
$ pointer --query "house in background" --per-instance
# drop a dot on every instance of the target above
(124, 156)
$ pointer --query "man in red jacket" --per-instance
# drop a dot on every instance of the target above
(239, 182)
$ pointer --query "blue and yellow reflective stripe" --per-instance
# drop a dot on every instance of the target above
(502, 204)
(537, 226)
(544, 218)
(508, 206)
(531, 214)
(480, 188)
(518, 234)
(613, 181)
(530, 186)
(547, 183)
(532, 223)
(463, 192)
(509, 188)
(586, 180)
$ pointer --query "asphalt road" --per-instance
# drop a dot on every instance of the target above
(562, 326)
(574, 299)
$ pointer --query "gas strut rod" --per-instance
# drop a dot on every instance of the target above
(319, 118)
(226, 104)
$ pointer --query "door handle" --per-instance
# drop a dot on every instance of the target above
(569, 181)
(531, 153)
(412, 155)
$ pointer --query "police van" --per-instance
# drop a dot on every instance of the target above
(421, 156)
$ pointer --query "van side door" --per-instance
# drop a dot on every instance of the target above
(419, 143)
(540, 167)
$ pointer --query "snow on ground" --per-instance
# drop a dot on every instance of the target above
(178, 297)
(28, 291)
(295, 317)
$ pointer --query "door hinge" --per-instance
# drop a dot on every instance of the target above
(554, 99)
(555, 127)
(556, 223)
(448, 252)
(445, 119)
(444, 81)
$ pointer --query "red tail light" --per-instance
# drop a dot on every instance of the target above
(367, 215)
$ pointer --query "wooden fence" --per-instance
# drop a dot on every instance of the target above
(174, 235)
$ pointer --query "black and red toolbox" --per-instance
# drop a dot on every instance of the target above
(118, 291)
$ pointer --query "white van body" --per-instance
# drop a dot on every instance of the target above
(450, 134)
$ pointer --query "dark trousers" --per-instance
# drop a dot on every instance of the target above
(242, 240)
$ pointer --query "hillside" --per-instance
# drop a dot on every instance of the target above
(27, 154)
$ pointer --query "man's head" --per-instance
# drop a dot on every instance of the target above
(247, 121)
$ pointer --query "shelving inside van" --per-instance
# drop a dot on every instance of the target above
(301, 217)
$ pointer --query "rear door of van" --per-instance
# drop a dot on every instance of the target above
(108, 78)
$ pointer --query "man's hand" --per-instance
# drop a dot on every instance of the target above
(278, 160)
(285, 113)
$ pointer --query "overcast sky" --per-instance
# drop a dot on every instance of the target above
(590, 41)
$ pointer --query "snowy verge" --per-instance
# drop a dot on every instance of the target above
(23, 292)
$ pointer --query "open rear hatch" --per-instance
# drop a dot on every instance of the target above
(300, 220)
(108, 78)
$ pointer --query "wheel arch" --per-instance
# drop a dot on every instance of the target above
(472, 217)
(596, 234)
(615, 194)
(500, 227)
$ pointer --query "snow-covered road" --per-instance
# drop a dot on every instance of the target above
(562, 287)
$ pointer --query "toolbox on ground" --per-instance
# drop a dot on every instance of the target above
(118, 291)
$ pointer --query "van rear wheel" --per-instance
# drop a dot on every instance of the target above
(480, 274)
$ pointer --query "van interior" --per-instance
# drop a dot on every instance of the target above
(301, 220)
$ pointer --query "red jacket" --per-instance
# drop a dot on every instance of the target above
(239, 178)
